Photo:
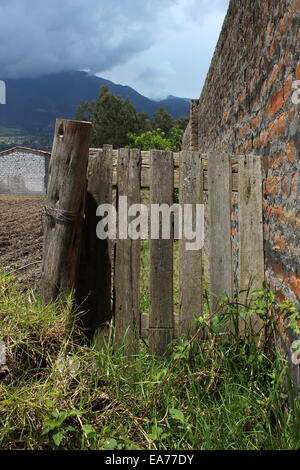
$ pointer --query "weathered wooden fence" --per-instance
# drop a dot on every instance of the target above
(109, 274)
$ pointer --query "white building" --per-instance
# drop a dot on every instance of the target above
(23, 172)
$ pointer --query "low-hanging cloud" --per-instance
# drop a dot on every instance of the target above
(156, 46)
(39, 37)
(178, 61)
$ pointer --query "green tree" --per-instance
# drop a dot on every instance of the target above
(182, 122)
(112, 118)
(143, 122)
(163, 120)
(156, 140)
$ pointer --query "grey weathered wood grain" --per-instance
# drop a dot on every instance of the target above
(251, 250)
(127, 266)
(161, 322)
(219, 208)
(190, 262)
(145, 177)
(65, 208)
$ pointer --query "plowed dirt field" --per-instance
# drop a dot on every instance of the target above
(21, 238)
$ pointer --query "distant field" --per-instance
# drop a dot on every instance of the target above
(11, 132)
(16, 137)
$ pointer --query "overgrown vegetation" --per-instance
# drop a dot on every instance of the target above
(59, 392)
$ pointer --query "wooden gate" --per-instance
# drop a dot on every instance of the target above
(108, 278)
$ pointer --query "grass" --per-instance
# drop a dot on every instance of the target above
(59, 392)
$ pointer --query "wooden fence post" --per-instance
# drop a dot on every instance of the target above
(220, 244)
(65, 208)
(94, 286)
(161, 321)
(190, 262)
(251, 245)
(127, 266)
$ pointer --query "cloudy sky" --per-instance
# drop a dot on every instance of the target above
(158, 47)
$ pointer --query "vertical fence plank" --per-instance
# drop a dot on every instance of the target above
(161, 321)
(220, 244)
(251, 252)
(94, 286)
(190, 262)
(127, 265)
(65, 208)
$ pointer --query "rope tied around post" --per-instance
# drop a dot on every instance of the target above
(61, 216)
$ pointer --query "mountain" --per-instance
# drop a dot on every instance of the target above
(33, 104)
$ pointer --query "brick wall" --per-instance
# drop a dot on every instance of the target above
(23, 172)
(246, 107)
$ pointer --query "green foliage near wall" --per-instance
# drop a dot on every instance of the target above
(116, 121)
(112, 118)
(156, 140)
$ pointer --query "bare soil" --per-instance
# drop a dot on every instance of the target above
(21, 238)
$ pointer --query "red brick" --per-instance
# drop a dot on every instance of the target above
(282, 246)
(285, 23)
(291, 114)
(294, 184)
(281, 158)
(280, 297)
(259, 48)
(290, 152)
(268, 32)
(297, 291)
(280, 272)
(267, 232)
(290, 216)
(288, 87)
(276, 101)
(270, 211)
(273, 130)
(272, 48)
(278, 212)
(273, 162)
(255, 121)
(293, 282)
(277, 185)
(281, 124)
(277, 241)
(284, 186)
(270, 185)
(264, 138)
(275, 73)
(295, 285)
(296, 5)
(287, 280)
(287, 58)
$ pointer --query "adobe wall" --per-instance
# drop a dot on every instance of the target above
(248, 105)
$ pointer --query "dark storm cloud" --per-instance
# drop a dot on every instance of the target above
(47, 36)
